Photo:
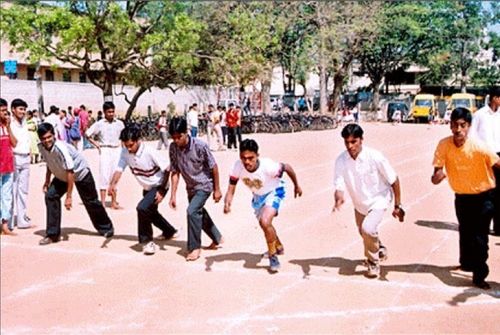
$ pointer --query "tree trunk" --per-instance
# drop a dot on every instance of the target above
(323, 90)
(39, 89)
(107, 90)
(266, 95)
(338, 82)
(376, 95)
(133, 102)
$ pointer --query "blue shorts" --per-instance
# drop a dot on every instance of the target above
(272, 199)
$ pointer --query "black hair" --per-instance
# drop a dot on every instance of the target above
(45, 128)
(494, 92)
(108, 105)
(3, 102)
(18, 103)
(352, 129)
(131, 132)
(178, 125)
(249, 145)
(461, 113)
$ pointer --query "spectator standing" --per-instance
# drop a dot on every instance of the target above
(162, 130)
(232, 124)
(22, 161)
(84, 125)
(223, 123)
(238, 123)
(32, 127)
(108, 144)
(7, 142)
(192, 120)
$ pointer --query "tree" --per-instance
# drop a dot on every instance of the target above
(130, 41)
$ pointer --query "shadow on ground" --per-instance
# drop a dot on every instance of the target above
(250, 261)
(437, 225)
(446, 274)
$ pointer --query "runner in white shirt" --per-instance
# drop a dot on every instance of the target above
(485, 126)
(107, 131)
(371, 182)
(22, 162)
(152, 172)
(264, 178)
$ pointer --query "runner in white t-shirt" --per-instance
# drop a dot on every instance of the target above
(264, 177)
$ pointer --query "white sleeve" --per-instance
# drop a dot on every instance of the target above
(92, 130)
(338, 179)
(122, 163)
(385, 168)
(236, 171)
(69, 163)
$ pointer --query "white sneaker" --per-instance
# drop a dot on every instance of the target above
(149, 248)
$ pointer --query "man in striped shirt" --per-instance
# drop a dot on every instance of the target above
(69, 169)
(151, 171)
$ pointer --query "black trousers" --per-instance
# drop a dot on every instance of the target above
(147, 214)
(231, 138)
(87, 191)
(496, 215)
(474, 213)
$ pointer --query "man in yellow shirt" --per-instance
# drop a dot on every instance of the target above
(469, 166)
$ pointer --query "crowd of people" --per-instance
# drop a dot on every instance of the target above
(469, 159)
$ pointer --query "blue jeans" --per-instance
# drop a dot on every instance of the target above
(194, 132)
(147, 214)
(198, 220)
(6, 182)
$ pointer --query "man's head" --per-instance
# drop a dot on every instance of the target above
(46, 134)
(178, 131)
(353, 139)
(460, 120)
(249, 154)
(163, 113)
(130, 137)
(210, 107)
(53, 110)
(18, 107)
(494, 97)
(4, 113)
(195, 106)
(109, 110)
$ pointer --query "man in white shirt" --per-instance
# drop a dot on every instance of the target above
(192, 120)
(107, 131)
(371, 183)
(152, 172)
(162, 126)
(485, 126)
(22, 162)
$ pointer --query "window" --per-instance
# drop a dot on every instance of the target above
(82, 77)
(31, 73)
(67, 76)
(49, 75)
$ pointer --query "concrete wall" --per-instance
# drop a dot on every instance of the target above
(64, 94)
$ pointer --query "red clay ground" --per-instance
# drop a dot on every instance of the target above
(86, 284)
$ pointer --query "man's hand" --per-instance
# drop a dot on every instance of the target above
(158, 197)
(172, 203)
(227, 208)
(45, 187)
(67, 202)
(111, 190)
(339, 201)
(217, 195)
(297, 191)
(399, 213)
(438, 176)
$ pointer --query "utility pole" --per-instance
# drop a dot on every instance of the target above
(39, 89)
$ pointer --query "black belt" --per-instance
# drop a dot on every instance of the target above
(23, 155)
(109, 146)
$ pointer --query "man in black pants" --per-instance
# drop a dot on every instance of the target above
(151, 171)
(485, 126)
(69, 169)
(469, 168)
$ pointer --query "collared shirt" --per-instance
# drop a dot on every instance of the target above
(63, 157)
(469, 167)
(22, 135)
(147, 165)
(107, 132)
(485, 126)
(368, 179)
(192, 118)
(195, 162)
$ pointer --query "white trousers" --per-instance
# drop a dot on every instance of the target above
(21, 188)
(108, 161)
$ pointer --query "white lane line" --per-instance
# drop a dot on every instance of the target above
(348, 313)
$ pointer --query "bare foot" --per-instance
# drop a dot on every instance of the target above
(7, 231)
(116, 206)
(215, 246)
(193, 255)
